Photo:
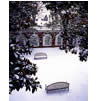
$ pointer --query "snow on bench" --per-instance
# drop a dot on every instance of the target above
(40, 55)
(57, 87)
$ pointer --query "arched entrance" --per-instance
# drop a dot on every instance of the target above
(47, 40)
(34, 40)
(58, 40)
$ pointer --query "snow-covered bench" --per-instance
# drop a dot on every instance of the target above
(57, 87)
(40, 55)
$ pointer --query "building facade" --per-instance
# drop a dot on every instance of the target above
(46, 39)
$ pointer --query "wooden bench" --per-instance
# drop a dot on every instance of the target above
(58, 86)
(40, 55)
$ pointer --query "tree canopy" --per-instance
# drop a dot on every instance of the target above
(73, 19)
(21, 70)
(22, 14)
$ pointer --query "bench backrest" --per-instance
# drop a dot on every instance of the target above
(57, 85)
(40, 54)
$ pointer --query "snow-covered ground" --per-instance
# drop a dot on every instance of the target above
(58, 67)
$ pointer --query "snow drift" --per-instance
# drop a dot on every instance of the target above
(59, 66)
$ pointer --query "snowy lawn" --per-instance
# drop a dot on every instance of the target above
(59, 66)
